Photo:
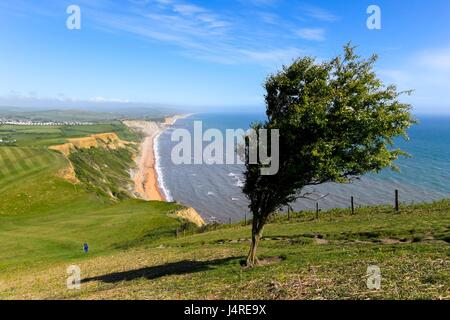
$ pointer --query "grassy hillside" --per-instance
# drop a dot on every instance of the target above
(105, 172)
(57, 115)
(303, 259)
(96, 114)
(44, 136)
(135, 253)
(45, 219)
(29, 172)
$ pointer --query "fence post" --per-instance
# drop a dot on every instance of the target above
(353, 205)
(229, 220)
(245, 219)
(317, 210)
(397, 206)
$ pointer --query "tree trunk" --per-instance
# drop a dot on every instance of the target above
(252, 260)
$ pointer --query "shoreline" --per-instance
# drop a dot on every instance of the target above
(148, 179)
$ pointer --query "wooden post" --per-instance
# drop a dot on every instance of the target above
(229, 220)
(289, 213)
(245, 219)
(397, 206)
(353, 205)
(317, 210)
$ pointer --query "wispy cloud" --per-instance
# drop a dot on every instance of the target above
(318, 13)
(435, 58)
(427, 73)
(314, 34)
(261, 2)
(201, 32)
(277, 56)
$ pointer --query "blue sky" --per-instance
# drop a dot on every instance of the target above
(213, 55)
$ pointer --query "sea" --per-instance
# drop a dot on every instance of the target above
(214, 190)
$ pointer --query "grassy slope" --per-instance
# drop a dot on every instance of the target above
(44, 136)
(97, 116)
(45, 219)
(325, 258)
(57, 115)
(105, 172)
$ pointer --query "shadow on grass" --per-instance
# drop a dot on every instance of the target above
(175, 268)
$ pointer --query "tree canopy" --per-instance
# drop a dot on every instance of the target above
(336, 120)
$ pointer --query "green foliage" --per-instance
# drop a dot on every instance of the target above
(105, 171)
(336, 120)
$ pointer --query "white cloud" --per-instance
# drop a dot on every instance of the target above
(435, 58)
(319, 13)
(188, 9)
(314, 34)
(427, 73)
(198, 31)
(269, 18)
(204, 34)
(274, 56)
(106, 100)
(33, 96)
(260, 2)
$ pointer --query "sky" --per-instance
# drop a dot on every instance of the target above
(210, 55)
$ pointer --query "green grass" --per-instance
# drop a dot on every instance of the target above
(45, 136)
(30, 240)
(105, 172)
(315, 259)
(57, 115)
(134, 253)
(45, 219)
(84, 115)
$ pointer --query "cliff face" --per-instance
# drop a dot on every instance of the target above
(101, 140)
(147, 128)
(100, 162)
(191, 215)
(68, 174)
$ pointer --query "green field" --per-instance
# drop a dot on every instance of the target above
(135, 253)
(305, 258)
(81, 115)
(44, 218)
(44, 136)
(57, 115)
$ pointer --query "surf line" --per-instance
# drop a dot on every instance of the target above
(164, 190)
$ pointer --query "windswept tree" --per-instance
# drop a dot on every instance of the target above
(336, 122)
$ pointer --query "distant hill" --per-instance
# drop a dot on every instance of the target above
(82, 115)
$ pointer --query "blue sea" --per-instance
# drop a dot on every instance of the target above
(215, 190)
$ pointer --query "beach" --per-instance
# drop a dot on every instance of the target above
(215, 191)
(145, 176)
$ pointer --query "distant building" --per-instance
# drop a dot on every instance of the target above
(43, 123)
